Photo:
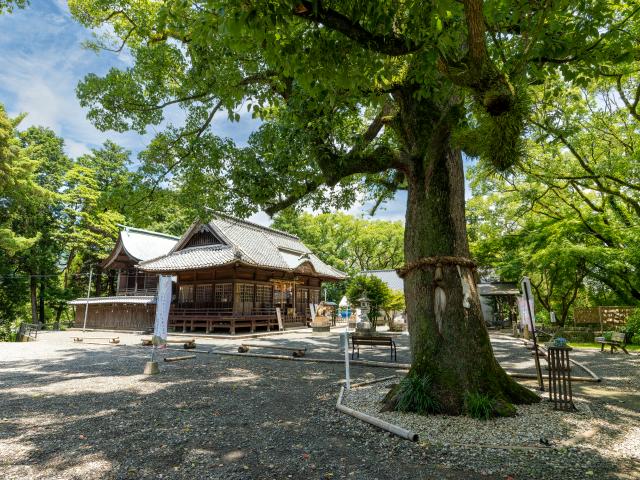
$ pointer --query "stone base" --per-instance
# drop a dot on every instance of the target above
(151, 368)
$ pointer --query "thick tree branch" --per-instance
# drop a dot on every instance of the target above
(475, 35)
(392, 44)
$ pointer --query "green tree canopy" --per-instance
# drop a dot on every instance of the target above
(346, 242)
(569, 217)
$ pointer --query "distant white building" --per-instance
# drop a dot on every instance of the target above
(390, 277)
(497, 299)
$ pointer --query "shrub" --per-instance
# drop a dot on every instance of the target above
(633, 323)
(636, 339)
(416, 395)
(374, 289)
(479, 405)
(608, 336)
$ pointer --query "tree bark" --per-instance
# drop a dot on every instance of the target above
(449, 340)
(98, 281)
(33, 286)
(59, 310)
(41, 315)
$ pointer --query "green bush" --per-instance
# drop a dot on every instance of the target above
(576, 334)
(608, 336)
(415, 395)
(636, 339)
(632, 327)
(479, 405)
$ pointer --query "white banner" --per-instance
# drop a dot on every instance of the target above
(522, 304)
(163, 303)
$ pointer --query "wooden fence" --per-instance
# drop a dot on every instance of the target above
(605, 317)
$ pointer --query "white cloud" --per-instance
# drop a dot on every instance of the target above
(44, 72)
(75, 149)
(260, 218)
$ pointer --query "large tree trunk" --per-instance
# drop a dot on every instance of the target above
(33, 286)
(59, 310)
(41, 309)
(98, 281)
(449, 340)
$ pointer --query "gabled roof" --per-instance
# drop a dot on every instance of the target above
(245, 242)
(498, 288)
(139, 245)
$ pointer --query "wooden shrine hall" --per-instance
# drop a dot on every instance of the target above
(229, 275)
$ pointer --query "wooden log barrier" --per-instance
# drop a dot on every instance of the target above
(188, 343)
(114, 340)
(297, 352)
(178, 359)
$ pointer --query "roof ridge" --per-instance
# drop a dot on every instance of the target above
(186, 250)
(380, 270)
(254, 225)
(127, 228)
(217, 246)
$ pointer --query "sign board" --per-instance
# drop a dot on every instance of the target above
(163, 304)
(279, 315)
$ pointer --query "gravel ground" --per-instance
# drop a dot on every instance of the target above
(85, 411)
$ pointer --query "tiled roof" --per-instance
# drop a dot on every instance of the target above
(249, 243)
(190, 259)
(498, 288)
(113, 300)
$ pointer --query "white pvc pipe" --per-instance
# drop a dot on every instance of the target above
(389, 427)
(347, 378)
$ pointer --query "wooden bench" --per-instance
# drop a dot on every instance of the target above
(373, 340)
(618, 340)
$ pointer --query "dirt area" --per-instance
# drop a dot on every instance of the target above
(79, 410)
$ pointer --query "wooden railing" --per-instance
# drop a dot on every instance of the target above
(29, 330)
(212, 319)
(199, 312)
(137, 292)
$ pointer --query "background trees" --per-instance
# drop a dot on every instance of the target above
(568, 217)
(59, 217)
(346, 242)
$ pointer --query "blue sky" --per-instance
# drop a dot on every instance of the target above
(42, 60)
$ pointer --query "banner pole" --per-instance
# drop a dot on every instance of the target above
(163, 305)
(526, 286)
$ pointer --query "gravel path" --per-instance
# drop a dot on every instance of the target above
(85, 411)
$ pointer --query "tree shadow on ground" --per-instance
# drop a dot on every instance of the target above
(93, 415)
(90, 413)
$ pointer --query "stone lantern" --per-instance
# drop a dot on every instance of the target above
(363, 324)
